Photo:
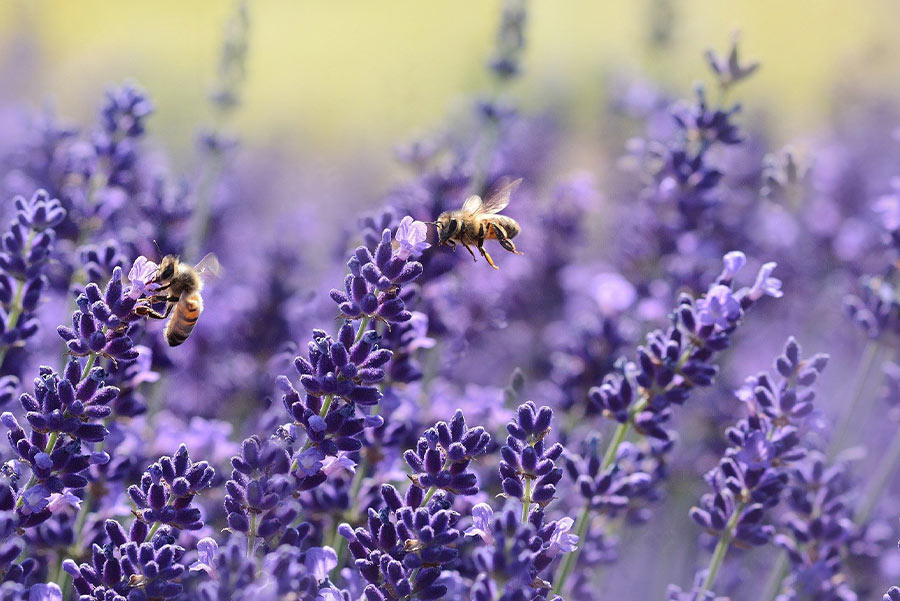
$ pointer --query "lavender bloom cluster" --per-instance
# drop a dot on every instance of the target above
(389, 421)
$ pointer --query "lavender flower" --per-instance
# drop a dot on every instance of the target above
(400, 551)
(167, 489)
(372, 286)
(512, 565)
(59, 415)
(130, 567)
(346, 368)
(26, 249)
(753, 474)
(729, 70)
(443, 455)
(529, 469)
(99, 326)
(257, 502)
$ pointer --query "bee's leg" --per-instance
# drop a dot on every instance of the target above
(468, 248)
(451, 244)
(504, 241)
(485, 254)
(146, 311)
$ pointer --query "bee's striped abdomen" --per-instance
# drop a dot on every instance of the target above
(510, 227)
(183, 319)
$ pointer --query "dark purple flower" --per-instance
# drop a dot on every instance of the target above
(443, 456)
(528, 467)
(168, 488)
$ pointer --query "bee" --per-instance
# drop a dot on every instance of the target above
(478, 221)
(180, 285)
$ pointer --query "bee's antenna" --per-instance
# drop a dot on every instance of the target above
(157, 249)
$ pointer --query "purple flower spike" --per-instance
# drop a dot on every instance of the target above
(528, 467)
(444, 453)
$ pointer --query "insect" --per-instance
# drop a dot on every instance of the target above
(478, 221)
(180, 286)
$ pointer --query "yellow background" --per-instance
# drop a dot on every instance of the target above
(333, 76)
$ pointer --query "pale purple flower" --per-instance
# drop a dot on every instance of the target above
(319, 561)
(332, 465)
(141, 370)
(612, 292)
(207, 549)
(36, 498)
(482, 516)
(734, 262)
(765, 284)
(310, 461)
(562, 541)
(58, 501)
(142, 272)
(45, 592)
(418, 332)
(329, 593)
(409, 241)
(718, 307)
(888, 207)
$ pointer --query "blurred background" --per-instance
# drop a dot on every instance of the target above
(329, 93)
(350, 77)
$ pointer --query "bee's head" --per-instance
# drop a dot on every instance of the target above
(167, 269)
(447, 226)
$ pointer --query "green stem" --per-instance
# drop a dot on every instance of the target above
(857, 392)
(322, 413)
(62, 577)
(613, 448)
(428, 494)
(721, 549)
(569, 561)
(51, 444)
(776, 577)
(153, 530)
(252, 538)
(884, 471)
(326, 405)
(363, 323)
(15, 308)
(88, 366)
(526, 500)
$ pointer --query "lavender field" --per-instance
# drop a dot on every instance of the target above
(241, 373)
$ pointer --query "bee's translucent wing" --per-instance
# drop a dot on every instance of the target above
(498, 201)
(209, 266)
(472, 204)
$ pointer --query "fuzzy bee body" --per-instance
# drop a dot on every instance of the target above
(180, 285)
(184, 318)
(478, 221)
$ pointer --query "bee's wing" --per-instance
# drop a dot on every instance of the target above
(472, 205)
(498, 201)
(209, 266)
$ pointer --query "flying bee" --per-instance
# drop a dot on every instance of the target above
(180, 286)
(478, 221)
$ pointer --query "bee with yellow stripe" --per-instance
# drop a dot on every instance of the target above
(180, 286)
